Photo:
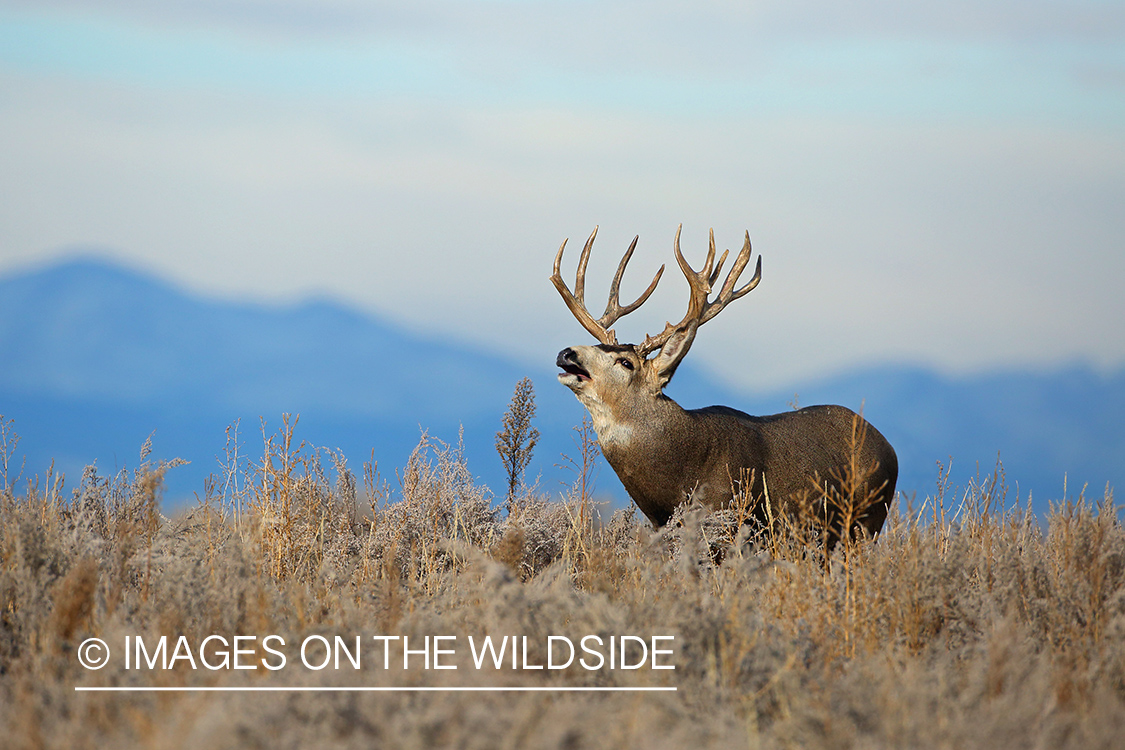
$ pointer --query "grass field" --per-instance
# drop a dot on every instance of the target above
(969, 623)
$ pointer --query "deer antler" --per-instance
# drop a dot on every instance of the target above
(699, 309)
(600, 328)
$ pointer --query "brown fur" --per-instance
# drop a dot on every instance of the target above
(666, 455)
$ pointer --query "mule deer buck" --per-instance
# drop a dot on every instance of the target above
(824, 459)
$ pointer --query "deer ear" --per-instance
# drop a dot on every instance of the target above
(674, 350)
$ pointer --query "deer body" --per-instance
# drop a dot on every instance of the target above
(666, 455)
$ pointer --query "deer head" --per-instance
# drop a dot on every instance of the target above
(611, 375)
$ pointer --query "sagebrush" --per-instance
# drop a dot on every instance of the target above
(969, 623)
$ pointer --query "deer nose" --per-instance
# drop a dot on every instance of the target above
(566, 357)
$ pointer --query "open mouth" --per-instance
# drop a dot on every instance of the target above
(576, 371)
(568, 361)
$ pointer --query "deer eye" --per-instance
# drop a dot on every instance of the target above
(625, 363)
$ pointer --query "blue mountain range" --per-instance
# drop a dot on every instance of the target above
(94, 358)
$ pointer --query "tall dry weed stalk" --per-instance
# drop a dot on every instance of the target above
(9, 441)
(516, 441)
(580, 508)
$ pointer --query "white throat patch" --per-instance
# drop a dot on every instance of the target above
(610, 431)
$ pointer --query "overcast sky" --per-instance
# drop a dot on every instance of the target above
(940, 185)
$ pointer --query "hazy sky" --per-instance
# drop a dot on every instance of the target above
(938, 185)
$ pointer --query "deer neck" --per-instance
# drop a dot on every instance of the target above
(626, 426)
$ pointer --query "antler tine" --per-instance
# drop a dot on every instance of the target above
(558, 261)
(718, 268)
(698, 282)
(727, 293)
(697, 303)
(686, 268)
(600, 328)
(699, 309)
(574, 302)
(722, 260)
(580, 277)
(613, 309)
(746, 248)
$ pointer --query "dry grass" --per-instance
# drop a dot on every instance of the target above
(968, 624)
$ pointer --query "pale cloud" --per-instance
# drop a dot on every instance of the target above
(938, 186)
(652, 20)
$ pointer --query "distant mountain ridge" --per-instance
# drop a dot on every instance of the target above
(94, 357)
(1046, 428)
(86, 329)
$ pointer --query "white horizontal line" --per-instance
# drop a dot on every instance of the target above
(371, 689)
